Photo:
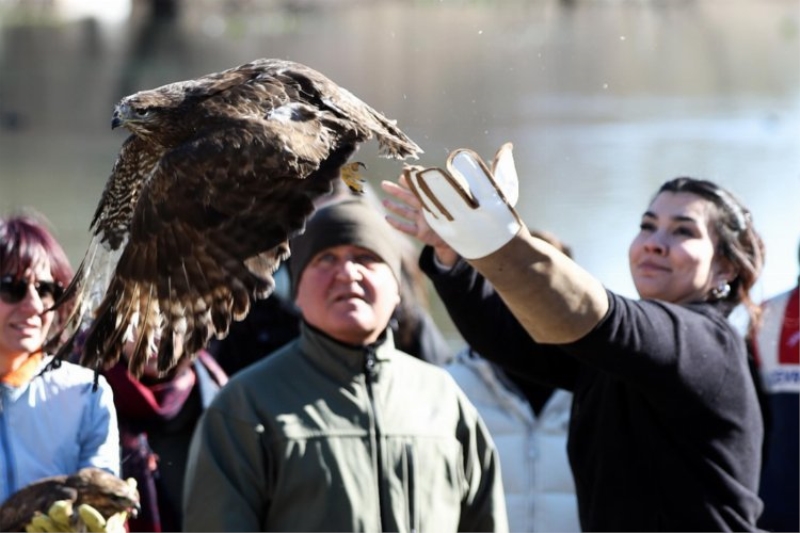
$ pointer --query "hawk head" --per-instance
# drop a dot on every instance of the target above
(105, 492)
(149, 113)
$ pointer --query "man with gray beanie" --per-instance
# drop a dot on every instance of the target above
(339, 430)
(351, 222)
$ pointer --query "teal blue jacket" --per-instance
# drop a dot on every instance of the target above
(56, 425)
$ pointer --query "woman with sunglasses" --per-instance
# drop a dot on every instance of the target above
(51, 422)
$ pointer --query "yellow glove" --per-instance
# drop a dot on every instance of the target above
(96, 523)
(58, 518)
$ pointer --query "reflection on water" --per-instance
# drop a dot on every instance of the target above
(602, 99)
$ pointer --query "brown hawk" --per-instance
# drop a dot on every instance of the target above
(107, 493)
(218, 173)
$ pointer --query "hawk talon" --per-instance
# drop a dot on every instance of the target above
(352, 178)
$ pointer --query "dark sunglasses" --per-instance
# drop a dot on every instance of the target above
(12, 290)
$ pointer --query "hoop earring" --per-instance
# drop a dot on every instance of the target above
(721, 291)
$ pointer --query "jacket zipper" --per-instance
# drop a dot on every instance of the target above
(369, 374)
(411, 474)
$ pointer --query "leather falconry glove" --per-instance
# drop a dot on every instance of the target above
(472, 209)
(469, 205)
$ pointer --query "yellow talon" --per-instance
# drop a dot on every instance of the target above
(350, 175)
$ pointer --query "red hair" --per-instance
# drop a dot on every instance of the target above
(26, 241)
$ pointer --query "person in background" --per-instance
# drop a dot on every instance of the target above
(51, 422)
(415, 330)
(665, 431)
(157, 417)
(274, 321)
(776, 348)
(528, 422)
(339, 430)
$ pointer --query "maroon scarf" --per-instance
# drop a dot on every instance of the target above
(138, 403)
(162, 399)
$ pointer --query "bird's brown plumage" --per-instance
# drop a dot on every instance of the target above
(218, 174)
(104, 491)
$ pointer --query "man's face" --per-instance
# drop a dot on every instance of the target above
(348, 292)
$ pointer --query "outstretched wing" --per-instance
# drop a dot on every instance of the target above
(348, 110)
(206, 236)
(110, 227)
(213, 213)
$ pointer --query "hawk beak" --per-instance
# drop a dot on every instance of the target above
(119, 116)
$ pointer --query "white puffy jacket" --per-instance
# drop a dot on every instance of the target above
(540, 491)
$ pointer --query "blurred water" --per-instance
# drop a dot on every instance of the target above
(603, 99)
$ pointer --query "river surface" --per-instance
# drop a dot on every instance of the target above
(603, 100)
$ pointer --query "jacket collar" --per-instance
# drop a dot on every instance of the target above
(344, 361)
(25, 372)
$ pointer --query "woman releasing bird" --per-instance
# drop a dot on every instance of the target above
(218, 173)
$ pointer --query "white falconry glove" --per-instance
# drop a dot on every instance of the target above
(468, 205)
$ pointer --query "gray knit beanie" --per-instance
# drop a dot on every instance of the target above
(351, 221)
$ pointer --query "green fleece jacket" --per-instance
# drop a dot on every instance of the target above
(322, 436)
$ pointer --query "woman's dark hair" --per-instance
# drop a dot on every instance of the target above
(739, 242)
(25, 241)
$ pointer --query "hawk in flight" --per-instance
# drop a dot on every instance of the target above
(219, 172)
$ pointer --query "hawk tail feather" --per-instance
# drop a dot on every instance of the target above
(84, 293)
(103, 344)
(169, 352)
(145, 338)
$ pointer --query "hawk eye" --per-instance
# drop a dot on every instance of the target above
(142, 112)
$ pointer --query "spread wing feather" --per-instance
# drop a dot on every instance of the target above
(218, 174)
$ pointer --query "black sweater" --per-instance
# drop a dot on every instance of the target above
(666, 431)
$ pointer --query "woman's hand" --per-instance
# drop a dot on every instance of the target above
(411, 221)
